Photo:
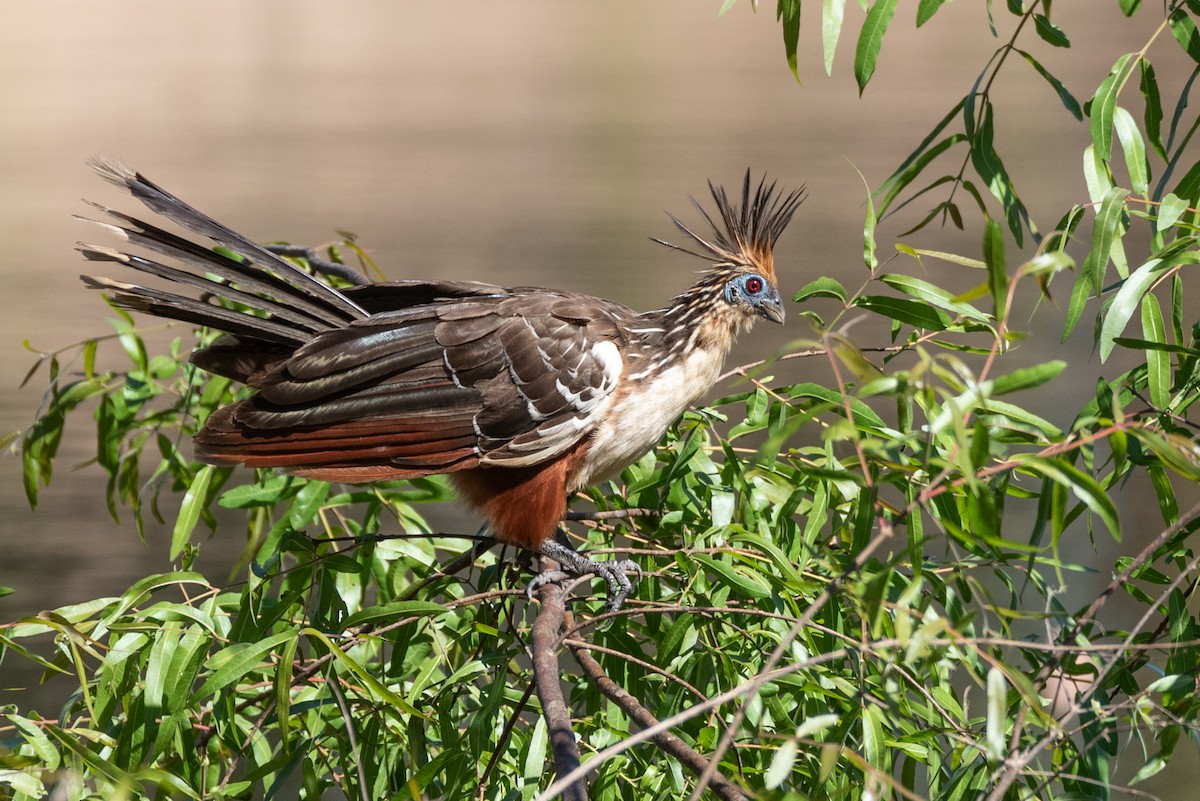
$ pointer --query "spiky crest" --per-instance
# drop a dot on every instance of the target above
(746, 233)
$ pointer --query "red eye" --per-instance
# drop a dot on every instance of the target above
(754, 285)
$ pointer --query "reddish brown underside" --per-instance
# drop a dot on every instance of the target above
(525, 505)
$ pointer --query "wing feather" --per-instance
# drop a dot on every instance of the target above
(477, 379)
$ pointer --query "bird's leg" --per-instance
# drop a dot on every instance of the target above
(575, 564)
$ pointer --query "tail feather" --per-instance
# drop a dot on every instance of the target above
(277, 311)
(245, 275)
(261, 260)
(179, 307)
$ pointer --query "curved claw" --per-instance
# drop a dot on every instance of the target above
(544, 578)
(575, 564)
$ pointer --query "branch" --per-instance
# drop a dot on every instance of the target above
(544, 653)
(669, 743)
(613, 514)
(319, 264)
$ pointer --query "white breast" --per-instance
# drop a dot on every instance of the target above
(637, 420)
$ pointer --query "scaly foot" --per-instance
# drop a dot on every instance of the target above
(575, 564)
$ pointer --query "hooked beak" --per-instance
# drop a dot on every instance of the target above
(771, 308)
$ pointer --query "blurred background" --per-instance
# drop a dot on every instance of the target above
(518, 143)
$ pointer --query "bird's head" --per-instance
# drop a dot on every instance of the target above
(740, 250)
(754, 293)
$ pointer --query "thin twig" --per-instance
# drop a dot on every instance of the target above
(576, 645)
(613, 514)
(333, 684)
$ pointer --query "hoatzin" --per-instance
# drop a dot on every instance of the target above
(521, 396)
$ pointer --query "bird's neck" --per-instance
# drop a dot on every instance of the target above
(698, 318)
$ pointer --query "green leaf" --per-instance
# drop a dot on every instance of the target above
(926, 9)
(869, 222)
(863, 414)
(1176, 452)
(1169, 211)
(1183, 28)
(234, 661)
(189, 511)
(1101, 108)
(1158, 362)
(1019, 417)
(953, 258)
(1153, 114)
(1027, 377)
(1083, 486)
(283, 686)
(307, 503)
(831, 30)
(1177, 308)
(823, 287)
(993, 257)
(47, 754)
(788, 14)
(781, 765)
(1096, 174)
(1123, 304)
(535, 758)
(870, 40)
(393, 611)
(991, 169)
(266, 493)
(1050, 32)
(1109, 220)
(1134, 149)
(748, 583)
(372, 684)
(1064, 95)
(997, 717)
(919, 315)
(875, 743)
(933, 295)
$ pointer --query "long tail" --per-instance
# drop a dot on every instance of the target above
(286, 306)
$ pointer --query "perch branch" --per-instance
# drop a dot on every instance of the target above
(544, 653)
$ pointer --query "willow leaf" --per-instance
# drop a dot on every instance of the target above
(870, 40)
(1125, 302)
(831, 30)
(1158, 362)
(1102, 105)
(789, 16)
(1064, 95)
(1104, 234)
(1134, 149)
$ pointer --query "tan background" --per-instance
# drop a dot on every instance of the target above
(517, 142)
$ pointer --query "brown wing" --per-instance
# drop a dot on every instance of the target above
(514, 378)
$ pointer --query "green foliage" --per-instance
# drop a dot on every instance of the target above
(851, 590)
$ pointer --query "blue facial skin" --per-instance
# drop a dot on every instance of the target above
(758, 293)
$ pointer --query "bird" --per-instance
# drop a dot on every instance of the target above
(520, 396)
